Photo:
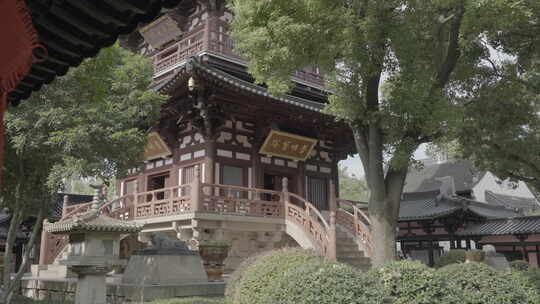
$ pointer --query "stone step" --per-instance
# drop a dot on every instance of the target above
(353, 248)
(360, 263)
(355, 254)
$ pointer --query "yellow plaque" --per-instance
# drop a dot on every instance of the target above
(156, 147)
(288, 145)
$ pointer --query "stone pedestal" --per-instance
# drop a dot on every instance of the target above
(92, 286)
(164, 270)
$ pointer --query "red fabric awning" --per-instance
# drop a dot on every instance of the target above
(18, 38)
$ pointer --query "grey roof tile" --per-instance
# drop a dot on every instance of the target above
(422, 180)
(508, 226)
(510, 201)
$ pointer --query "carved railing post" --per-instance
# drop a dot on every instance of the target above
(285, 195)
(196, 190)
(65, 205)
(332, 250)
(44, 246)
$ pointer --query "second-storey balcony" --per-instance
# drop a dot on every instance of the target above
(212, 37)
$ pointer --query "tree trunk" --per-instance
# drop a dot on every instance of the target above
(383, 230)
(10, 240)
(10, 288)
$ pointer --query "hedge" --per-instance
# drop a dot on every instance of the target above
(195, 300)
(411, 282)
(300, 277)
(519, 265)
(451, 257)
(479, 283)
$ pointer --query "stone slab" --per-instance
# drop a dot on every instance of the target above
(152, 292)
(164, 270)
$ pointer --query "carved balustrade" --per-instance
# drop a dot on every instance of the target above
(304, 214)
(240, 200)
(357, 222)
(213, 35)
(224, 199)
(180, 51)
(166, 201)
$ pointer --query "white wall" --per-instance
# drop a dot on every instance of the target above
(489, 182)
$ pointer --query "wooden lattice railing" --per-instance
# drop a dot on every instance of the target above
(224, 199)
(240, 200)
(357, 222)
(305, 215)
(213, 36)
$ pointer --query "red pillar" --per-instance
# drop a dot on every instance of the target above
(3, 101)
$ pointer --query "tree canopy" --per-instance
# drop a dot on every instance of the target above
(92, 122)
(351, 187)
(401, 72)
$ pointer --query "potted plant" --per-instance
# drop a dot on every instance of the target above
(213, 255)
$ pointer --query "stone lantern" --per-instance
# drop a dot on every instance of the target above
(93, 250)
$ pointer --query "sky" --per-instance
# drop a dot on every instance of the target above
(354, 165)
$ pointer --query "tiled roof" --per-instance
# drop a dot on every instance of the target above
(73, 30)
(193, 65)
(509, 201)
(92, 221)
(431, 207)
(74, 199)
(421, 180)
(508, 226)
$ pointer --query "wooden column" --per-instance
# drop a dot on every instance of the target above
(537, 256)
(3, 102)
(431, 257)
(301, 184)
(43, 246)
(210, 161)
(523, 244)
(196, 190)
(332, 250)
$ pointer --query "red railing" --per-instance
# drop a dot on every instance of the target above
(240, 200)
(224, 199)
(167, 201)
(305, 215)
(213, 36)
(180, 51)
(357, 222)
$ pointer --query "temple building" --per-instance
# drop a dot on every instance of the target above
(230, 162)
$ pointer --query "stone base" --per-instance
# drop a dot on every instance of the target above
(145, 293)
(164, 270)
(64, 289)
(52, 271)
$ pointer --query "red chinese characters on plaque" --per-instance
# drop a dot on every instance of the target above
(155, 147)
(288, 145)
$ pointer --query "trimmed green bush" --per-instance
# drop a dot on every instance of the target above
(239, 272)
(25, 300)
(519, 265)
(451, 257)
(411, 282)
(533, 276)
(300, 277)
(190, 301)
(481, 284)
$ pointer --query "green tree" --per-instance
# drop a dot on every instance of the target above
(397, 70)
(90, 123)
(501, 132)
(351, 187)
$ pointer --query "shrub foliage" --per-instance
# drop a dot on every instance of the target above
(410, 282)
(451, 257)
(479, 283)
(300, 277)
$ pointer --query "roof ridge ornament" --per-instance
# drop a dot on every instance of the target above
(447, 188)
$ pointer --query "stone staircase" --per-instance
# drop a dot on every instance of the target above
(348, 251)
